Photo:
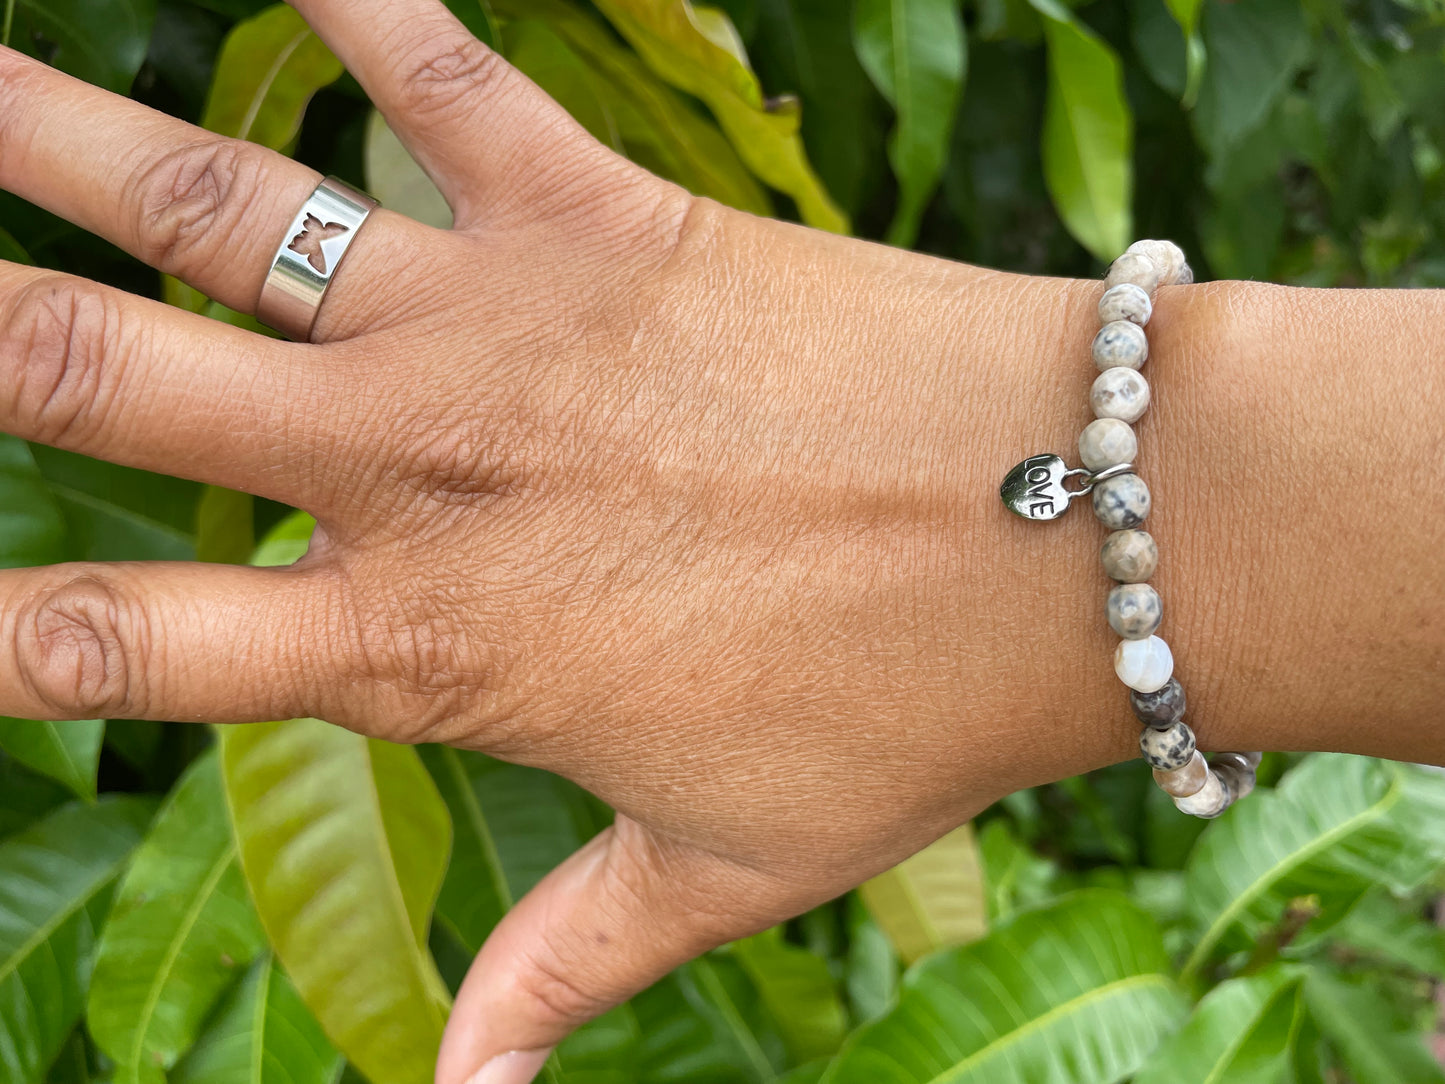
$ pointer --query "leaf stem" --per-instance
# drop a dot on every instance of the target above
(9, 21)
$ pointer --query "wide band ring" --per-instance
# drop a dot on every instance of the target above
(308, 258)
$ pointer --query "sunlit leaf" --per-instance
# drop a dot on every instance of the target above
(798, 990)
(1243, 1032)
(1075, 993)
(915, 52)
(101, 41)
(261, 1034)
(180, 931)
(1088, 137)
(700, 56)
(1376, 1044)
(933, 900)
(67, 752)
(56, 879)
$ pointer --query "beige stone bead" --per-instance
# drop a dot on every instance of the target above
(1119, 393)
(1107, 442)
(1135, 268)
(1129, 556)
(1182, 782)
(1167, 257)
(1120, 343)
(1209, 800)
(1125, 302)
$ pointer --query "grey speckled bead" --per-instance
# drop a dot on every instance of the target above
(1120, 343)
(1107, 442)
(1119, 393)
(1129, 556)
(1209, 801)
(1238, 782)
(1134, 610)
(1182, 782)
(1125, 302)
(1121, 502)
(1167, 257)
(1169, 749)
(1161, 708)
(1136, 268)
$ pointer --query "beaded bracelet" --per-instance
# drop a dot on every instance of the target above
(1035, 489)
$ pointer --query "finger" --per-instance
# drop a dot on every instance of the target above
(484, 132)
(610, 921)
(178, 641)
(209, 210)
(99, 371)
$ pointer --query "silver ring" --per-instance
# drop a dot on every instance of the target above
(307, 260)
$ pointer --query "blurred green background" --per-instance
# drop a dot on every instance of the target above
(288, 903)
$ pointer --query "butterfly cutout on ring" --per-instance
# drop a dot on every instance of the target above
(308, 242)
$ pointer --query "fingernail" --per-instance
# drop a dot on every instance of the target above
(513, 1067)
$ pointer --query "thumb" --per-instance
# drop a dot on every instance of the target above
(611, 920)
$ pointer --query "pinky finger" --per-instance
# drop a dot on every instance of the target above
(160, 640)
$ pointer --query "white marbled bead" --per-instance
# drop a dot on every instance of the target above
(1167, 257)
(1134, 611)
(1129, 556)
(1107, 442)
(1125, 302)
(1144, 665)
(1119, 393)
(1182, 782)
(1121, 502)
(1120, 342)
(1209, 800)
(1135, 268)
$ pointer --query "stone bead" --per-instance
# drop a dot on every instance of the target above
(1237, 782)
(1162, 708)
(1121, 502)
(1182, 782)
(1167, 257)
(1209, 800)
(1237, 761)
(1254, 759)
(1119, 393)
(1134, 611)
(1167, 750)
(1125, 302)
(1120, 343)
(1129, 556)
(1133, 268)
(1144, 665)
(1107, 442)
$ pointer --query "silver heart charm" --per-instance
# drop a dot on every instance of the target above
(1035, 488)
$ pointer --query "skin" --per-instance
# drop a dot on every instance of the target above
(697, 509)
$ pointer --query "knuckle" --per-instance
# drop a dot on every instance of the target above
(69, 345)
(77, 649)
(549, 983)
(436, 80)
(191, 199)
(453, 467)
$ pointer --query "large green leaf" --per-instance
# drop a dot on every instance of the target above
(180, 931)
(697, 51)
(1255, 51)
(797, 989)
(101, 41)
(1373, 1041)
(915, 52)
(261, 1034)
(344, 841)
(67, 752)
(932, 900)
(1243, 1032)
(1074, 993)
(25, 797)
(1088, 137)
(55, 887)
(1392, 930)
(1186, 14)
(1336, 826)
(32, 531)
(1015, 877)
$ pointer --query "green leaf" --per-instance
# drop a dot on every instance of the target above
(698, 53)
(101, 41)
(11, 250)
(268, 70)
(25, 797)
(916, 53)
(67, 752)
(225, 526)
(343, 842)
(1075, 993)
(873, 965)
(261, 1034)
(1015, 877)
(477, 16)
(1375, 1045)
(180, 932)
(1186, 14)
(797, 989)
(32, 531)
(1243, 1032)
(933, 900)
(551, 63)
(55, 887)
(1393, 930)
(1255, 51)
(1336, 826)
(1088, 135)
(393, 177)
